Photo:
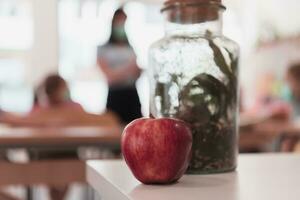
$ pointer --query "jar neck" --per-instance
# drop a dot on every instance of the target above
(195, 29)
(193, 17)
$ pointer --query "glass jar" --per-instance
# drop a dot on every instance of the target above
(194, 77)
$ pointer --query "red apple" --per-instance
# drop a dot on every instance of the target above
(157, 150)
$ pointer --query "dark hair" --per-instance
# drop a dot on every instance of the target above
(52, 84)
(112, 39)
(36, 93)
(294, 71)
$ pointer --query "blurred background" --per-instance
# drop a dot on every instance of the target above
(38, 38)
(43, 37)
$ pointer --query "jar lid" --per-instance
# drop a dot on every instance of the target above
(192, 11)
(182, 3)
(186, 1)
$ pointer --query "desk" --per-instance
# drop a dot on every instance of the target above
(259, 177)
(58, 137)
(54, 172)
(260, 135)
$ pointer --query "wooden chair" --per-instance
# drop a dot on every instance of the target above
(4, 196)
(288, 142)
(54, 173)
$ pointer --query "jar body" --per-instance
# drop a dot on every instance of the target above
(195, 78)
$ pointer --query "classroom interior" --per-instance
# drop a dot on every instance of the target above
(62, 103)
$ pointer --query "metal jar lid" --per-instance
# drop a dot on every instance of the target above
(192, 11)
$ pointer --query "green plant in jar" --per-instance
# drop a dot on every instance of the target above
(194, 77)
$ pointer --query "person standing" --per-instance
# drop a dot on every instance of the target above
(117, 61)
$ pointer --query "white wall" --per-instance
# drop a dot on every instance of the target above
(245, 16)
(40, 57)
(257, 17)
(44, 55)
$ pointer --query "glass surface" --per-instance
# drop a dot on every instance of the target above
(193, 73)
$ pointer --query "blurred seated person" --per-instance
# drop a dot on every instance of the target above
(53, 107)
(292, 95)
(268, 104)
(117, 61)
(54, 94)
(261, 124)
(291, 128)
(290, 143)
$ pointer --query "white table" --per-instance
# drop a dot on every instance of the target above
(259, 177)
